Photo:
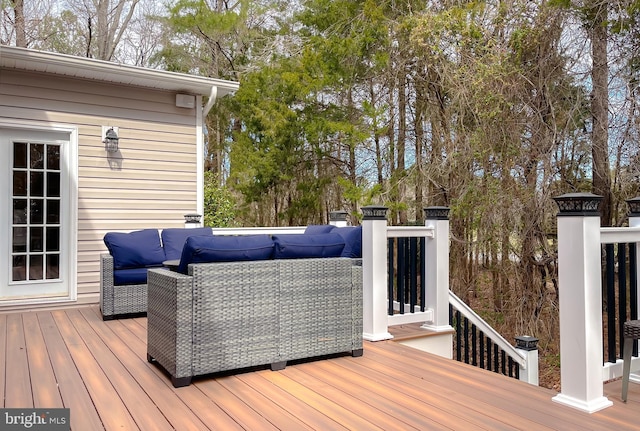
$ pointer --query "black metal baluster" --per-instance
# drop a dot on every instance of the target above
(466, 340)
(611, 303)
(458, 336)
(482, 349)
(423, 273)
(413, 271)
(633, 289)
(401, 273)
(622, 293)
(474, 347)
(390, 277)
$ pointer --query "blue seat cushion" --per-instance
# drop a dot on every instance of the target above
(296, 246)
(352, 236)
(123, 277)
(173, 239)
(136, 249)
(200, 249)
(314, 229)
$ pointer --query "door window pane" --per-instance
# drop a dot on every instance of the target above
(53, 239)
(53, 157)
(20, 183)
(19, 239)
(35, 267)
(19, 211)
(53, 266)
(37, 211)
(20, 155)
(53, 184)
(19, 268)
(53, 212)
(36, 156)
(36, 239)
(36, 184)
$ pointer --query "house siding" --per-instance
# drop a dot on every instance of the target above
(150, 183)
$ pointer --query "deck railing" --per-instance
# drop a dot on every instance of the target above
(406, 279)
(583, 365)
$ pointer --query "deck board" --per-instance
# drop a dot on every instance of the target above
(99, 371)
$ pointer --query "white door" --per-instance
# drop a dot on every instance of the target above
(34, 217)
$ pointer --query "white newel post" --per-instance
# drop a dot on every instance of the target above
(579, 278)
(437, 269)
(528, 347)
(338, 218)
(374, 273)
(634, 221)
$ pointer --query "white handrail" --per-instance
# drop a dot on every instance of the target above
(498, 339)
(410, 231)
(257, 230)
(613, 235)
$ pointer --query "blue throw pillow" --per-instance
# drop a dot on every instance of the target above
(199, 249)
(136, 249)
(352, 236)
(314, 229)
(308, 245)
(173, 239)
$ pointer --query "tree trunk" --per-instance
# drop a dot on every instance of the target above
(19, 25)
(600, 109)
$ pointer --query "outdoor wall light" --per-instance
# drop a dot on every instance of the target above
(111, 140)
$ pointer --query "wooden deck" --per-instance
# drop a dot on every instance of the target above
(71, 358)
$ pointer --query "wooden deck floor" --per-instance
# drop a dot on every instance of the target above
(71, 358)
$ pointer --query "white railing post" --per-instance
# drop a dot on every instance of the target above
(634, 221)
(338, 218)
(528, 347)
(374, 273)
(437, 269)
(579, 278)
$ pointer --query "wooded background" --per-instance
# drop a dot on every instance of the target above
(491, 108)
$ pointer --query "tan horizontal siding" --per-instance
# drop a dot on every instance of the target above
(183, 191)
(151, 182)
(80, 98)
(129, 172)
(143, 128)
(140, 186)
(71, 85)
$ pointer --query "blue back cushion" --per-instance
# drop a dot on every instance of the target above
(308, 245)
(199, 249)
(352, 236)
(136, 249)
(314, 229)
(173, 239)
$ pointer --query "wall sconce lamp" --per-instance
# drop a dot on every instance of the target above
(111, 140)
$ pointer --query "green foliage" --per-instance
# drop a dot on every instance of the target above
(219, 204)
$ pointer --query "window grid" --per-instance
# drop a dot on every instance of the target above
(36, 196)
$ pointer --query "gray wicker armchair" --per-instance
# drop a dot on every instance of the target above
(121, 300)
(227, 316)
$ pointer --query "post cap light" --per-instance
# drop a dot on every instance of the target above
(579, 204)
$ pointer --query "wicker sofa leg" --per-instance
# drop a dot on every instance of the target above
(180, 382)
(278, 366)
(357, 353)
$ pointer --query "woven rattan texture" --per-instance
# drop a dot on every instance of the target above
(631, 329)
(226, 316)
(119, 300)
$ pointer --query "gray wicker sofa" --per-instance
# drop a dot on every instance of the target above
(123, 271)
(231, 315)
